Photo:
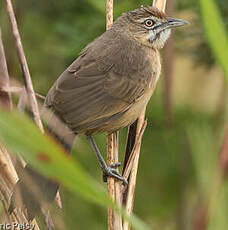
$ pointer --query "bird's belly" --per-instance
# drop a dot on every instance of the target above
(130, 116)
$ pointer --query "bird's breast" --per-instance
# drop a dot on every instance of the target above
(138, 106)
(154, 58)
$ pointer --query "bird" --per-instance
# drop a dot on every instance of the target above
(111, 81)
(108, 86)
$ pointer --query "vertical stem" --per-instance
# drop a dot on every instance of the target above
(133, 173)
(160, 4)
(114, 186)
(9, 175)
(110, 182)
(109, 14)
(5, 97)
(117, 219)
(24, 66)
(114, 220)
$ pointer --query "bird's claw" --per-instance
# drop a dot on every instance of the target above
(115, 165)
(110, 171)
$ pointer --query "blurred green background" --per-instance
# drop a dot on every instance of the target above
(179, 153)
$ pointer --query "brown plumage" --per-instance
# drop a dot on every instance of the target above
(110, 83)
(104, 89)
(108, 86)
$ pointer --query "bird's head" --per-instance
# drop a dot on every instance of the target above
(150, 26)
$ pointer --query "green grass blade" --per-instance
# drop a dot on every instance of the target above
(216, 33)
(21, 136)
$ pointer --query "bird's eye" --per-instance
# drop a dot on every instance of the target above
(149, 22)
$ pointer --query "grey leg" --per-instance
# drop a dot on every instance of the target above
(108, 171)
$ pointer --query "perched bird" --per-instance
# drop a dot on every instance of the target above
(108, 86)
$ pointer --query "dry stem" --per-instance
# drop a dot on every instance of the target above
(109, 14)
(8, 173)
(160, 4)
(135, 149)
(131, 167)
(110, 182)
(5, 97)
(24, 66)
(114, 187)
(134, 156)
(25, 71)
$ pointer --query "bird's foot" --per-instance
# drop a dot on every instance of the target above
(110, 171)
(115, 165)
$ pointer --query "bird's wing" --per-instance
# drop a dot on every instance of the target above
(91, 93)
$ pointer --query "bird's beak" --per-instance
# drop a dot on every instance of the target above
(174, 22)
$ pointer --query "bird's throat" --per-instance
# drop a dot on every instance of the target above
(158, 39)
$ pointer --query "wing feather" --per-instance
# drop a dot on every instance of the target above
(87, 95)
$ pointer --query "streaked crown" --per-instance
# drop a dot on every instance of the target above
(150, 26)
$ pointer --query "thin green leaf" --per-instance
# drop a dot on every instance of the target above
(216, 33)
(24, 138)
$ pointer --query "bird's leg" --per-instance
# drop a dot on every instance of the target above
(108, 171)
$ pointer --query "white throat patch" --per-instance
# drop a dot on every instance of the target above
(158, 38)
